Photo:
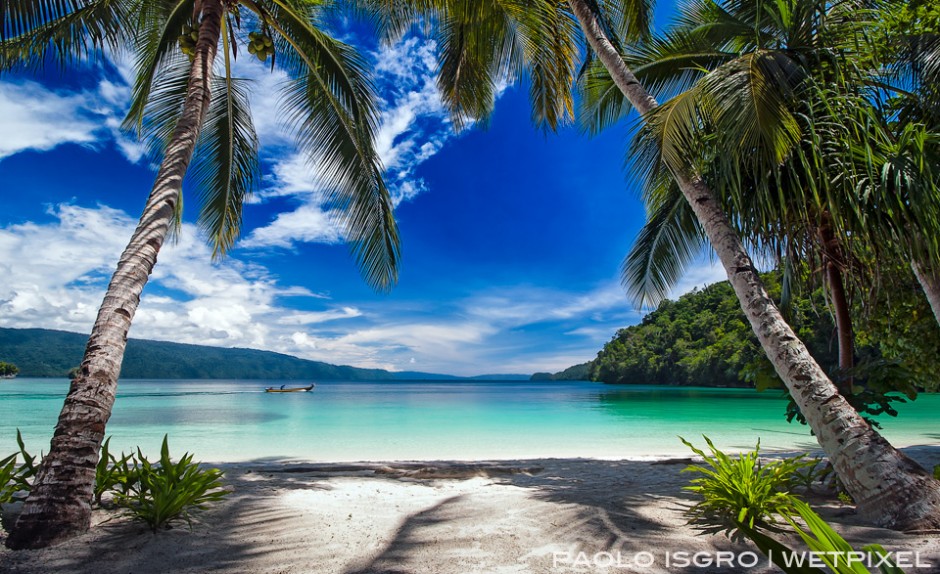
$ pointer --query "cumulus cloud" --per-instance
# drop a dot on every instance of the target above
(33, 117)
(56, 273)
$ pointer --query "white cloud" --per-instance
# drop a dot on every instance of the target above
(55, 275)
(35, 118)
(526, 305)
(308, 223)
(314, 317)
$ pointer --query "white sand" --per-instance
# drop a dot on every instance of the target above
(449, 518)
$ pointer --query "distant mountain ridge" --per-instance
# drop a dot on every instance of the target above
(50, 353)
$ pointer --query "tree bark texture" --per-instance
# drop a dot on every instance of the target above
(832, 265)
(890, 490)
(59, 504)
(930, 282)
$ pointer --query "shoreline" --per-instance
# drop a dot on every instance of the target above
(437, 517)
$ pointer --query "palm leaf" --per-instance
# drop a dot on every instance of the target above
(161, 24)
(666, 245)
(32, 31)
(550, 51)
(330, 105)
(225, 170)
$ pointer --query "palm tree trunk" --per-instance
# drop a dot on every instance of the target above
(832, 255)
(840, 307)
(890, 489)
(59, 505)
(930, 283)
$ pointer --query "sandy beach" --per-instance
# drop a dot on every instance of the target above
(545, 515)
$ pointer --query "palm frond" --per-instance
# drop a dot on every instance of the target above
(666, 245)
(478, 46)
(33, 32)
(550, 51)
(393, 18)
(160, 111)
(749, 99)
(631, 20)
(225, 170)
(160, 25)
(330, 104)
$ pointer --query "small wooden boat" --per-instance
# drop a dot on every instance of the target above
(284, 389)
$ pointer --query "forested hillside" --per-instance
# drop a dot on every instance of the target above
(46, 353)
(704, 339)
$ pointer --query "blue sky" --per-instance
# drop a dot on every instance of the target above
(511, 237)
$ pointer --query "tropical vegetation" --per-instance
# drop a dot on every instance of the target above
(743, 492)
(157, 494)
(15, 476)
(48, 353)
(189, 106)
(8, 369)
(703, 339)
(744, 98)
(748, 497)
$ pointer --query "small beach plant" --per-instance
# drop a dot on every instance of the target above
(15, 477)
(112, 473)
(825, 546)
(832, 549)
(747, 498)
(742, 491)
(166, 492)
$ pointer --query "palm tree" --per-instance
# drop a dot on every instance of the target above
(907, 53)
(891, 490)
(786, 184)
(186, 100)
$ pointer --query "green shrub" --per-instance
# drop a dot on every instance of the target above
(740, 490)
(16, 478)
(166, 491)
(112, 473)
(744, 496)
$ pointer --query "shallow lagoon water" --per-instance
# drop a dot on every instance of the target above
(452, 420)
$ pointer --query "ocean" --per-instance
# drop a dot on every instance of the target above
(234, 421)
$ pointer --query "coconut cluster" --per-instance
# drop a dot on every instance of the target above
(261, 45)
(187, 41)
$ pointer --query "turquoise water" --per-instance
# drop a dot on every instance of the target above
(236, 421)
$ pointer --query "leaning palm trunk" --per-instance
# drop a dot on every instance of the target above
(832, 255)
(930, 283)
(890, 489)
(59, 505)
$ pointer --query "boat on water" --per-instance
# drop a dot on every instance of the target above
(285, 389)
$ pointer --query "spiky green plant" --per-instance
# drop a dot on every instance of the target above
(113, 473)
(741, 490)
(166, 492)
(15, 478)
(742, 495)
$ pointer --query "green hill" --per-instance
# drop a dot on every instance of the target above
(580, 372)
(46, 353)
(703, 339)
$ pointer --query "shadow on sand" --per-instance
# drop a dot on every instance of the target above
(441, 518)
